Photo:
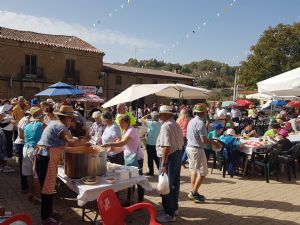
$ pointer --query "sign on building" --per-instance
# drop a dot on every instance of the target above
(90, 89)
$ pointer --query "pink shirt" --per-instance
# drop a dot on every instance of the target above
(133, 146)
(183, 123)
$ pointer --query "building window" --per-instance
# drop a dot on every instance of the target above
(139, 80)
(154, 82)
(70, 67)
(118, 80)
(30, 64)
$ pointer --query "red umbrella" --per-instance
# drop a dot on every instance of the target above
(293, 104)
(244, 103)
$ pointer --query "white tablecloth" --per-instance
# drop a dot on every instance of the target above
(294, 137)
(87, 193)
(249, 149)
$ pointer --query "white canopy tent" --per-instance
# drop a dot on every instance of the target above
(180, 91)
(258, 96)
(262, 96)
(285, 84)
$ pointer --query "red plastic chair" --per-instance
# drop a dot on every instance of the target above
(112, 213)
(20, 217)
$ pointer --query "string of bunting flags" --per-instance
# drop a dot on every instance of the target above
(199, 27)
(100, 21)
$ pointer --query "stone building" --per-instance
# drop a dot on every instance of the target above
(30, 62)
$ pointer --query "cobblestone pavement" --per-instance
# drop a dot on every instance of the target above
(237, 200)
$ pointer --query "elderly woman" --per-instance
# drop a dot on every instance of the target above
(153, 129)
(55, 138)
(112, 133)
(6, 127)
(97, 128)
(32, 134)
(130, 142)
(183, 121)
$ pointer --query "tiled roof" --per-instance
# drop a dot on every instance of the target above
(128, 69)
(62, 41)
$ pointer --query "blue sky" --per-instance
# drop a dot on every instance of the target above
(161, 29)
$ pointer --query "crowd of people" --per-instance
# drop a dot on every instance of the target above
(38, 132)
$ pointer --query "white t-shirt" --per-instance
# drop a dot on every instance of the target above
(221, 113)
(235, 113)
(21, 125)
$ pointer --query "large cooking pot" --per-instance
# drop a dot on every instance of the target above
(79, 164)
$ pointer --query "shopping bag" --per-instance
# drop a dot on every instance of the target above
(163, 184)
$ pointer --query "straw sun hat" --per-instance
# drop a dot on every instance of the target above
(36, 113)
(198, 108)
(66, 110)
(165, 109)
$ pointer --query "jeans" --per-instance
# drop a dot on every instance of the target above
(184, 157)
(141, 191)
(117, 158)
(19, 151)
(47, 199)
(9, 143)
(170, 201)
(152, 156)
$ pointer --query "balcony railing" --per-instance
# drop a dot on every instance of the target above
(32, 73)
(72, 76)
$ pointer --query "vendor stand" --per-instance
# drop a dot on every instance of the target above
(124, 177)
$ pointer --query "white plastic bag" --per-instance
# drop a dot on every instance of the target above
(163, 184)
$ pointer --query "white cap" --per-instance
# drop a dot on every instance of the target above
(96, 114)
(4, 108)
(230, 131)
(50, 101)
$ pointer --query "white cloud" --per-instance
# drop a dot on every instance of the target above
(93, 35)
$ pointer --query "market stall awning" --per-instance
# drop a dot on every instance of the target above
(285, 84)
(179, 91)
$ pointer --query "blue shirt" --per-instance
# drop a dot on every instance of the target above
(51, 136)
(153, 129)
(195, 129)
(111, 134)
(33, 133)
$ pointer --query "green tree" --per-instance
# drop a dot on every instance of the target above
(277, 51)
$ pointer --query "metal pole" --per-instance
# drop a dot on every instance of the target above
(234, 87)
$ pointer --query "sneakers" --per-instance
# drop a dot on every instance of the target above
(51, 221)
(176, 212)
(165, 218)
(196, 197)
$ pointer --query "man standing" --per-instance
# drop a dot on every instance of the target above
(235, 114)
(169, 144)
(196, 138)
(19, 109)
(220, 114)
(120, 111)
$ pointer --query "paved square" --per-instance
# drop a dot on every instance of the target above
(237, 200)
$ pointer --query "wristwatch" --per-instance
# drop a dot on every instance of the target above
(164, 164)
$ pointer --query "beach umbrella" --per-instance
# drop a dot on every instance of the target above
(86, 97)
(293, 104)
(244, 102)
(228, 103)
(60, 89)
(278, 103)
